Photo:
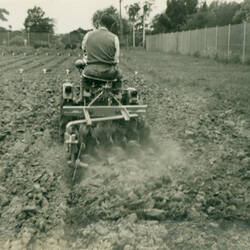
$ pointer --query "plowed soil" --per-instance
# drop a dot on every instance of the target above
(188, 189)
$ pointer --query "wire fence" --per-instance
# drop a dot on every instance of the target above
(68, 41)
(230, 42)
(22, 38)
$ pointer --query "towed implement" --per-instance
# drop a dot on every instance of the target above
(102, 115)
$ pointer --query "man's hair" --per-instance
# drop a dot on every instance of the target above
(107, 20)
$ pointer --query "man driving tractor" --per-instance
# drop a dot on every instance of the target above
(102, 50)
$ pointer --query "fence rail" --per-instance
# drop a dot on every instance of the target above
(230, 42)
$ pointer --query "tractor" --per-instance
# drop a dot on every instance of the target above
(101, 114)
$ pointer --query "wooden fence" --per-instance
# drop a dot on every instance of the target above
(230, 42)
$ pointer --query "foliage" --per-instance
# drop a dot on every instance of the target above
(202, 18)
(224, 12)
(58, 42)
(73, 39)
(177, 12)
(133, 12)
(2, 29)
(147, 8)
(114, 12)
(217, 13)
(160, 24)
(17, 41)
(41, 44)
(242, 14)
(37, 22)
(186, 15)
(3, 13)
(175, 15)
(110, 10)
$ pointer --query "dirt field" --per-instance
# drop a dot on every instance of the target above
(189, 189)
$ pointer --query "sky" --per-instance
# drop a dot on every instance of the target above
(68, 14)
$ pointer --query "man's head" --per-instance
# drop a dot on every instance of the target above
(107, 21)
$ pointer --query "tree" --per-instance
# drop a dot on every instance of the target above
(187, 14)
(243, 14)
(160, 24)
(133, 12)
(224, 12)
(141, 12)
(133, 15)
(3, 12)
(73, 39)
(147, 8)
(114, 12)
(37, 22)
(202, 18)
(178, 10)
(175, 16)
(110, 10)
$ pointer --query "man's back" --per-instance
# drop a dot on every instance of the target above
(100, 46)
(103, 50)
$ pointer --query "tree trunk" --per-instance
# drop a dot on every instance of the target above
(143, 32)
(133, 35)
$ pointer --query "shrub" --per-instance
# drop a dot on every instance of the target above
(247, 61)
(17, 41)
(235, 59)
(41, 44)
(59, 45)
(70, 46)
(221, 58)
(197, 54)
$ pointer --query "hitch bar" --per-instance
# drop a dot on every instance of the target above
(98, 119)
(103, 111)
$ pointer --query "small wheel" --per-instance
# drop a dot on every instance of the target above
(143, 131)
(71, 155)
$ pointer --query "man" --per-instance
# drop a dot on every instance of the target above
(102, 49)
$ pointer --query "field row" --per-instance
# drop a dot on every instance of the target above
(48, 52)
(25, 64)
(189, 193)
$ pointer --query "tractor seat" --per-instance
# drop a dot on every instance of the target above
(99, 79)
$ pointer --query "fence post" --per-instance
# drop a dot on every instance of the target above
(177, 41)
(133, 35)
(8, 38)
(166, 42)
(189, 49)
(48, 38)
(28, 36)
(197, 41)
(161, 43)
(205, 45)
(244, 42)
(228, 42)
(216, 40)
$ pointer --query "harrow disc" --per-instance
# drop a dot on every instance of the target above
(112, 133)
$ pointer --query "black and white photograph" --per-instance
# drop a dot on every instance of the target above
(124, 124)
